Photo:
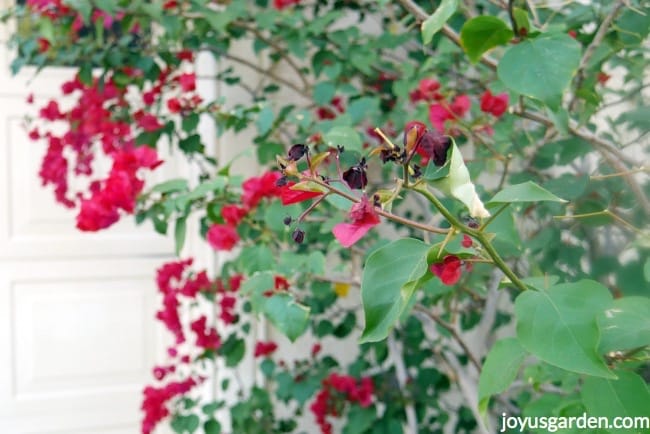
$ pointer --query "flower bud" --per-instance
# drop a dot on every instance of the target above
(435, 146)
(355, 176)
(297, 152)
(298, 236)
(413, 132)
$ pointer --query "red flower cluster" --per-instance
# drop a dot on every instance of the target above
(495, 105)
(188, 100)
(427, 91)
(363, 216)
(233, 214)
(224, 236)
(342, 387)
(323, 113)
(282, 4)
(258, 188)
(290, 196)
(154, 404)
(206, 337)
(52, 9)
(443, 111)
(449, 269)
(90, 123)
(175, 281)
(264, 349)
(118, 191)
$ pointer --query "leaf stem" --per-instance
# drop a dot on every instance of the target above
(477, 234)
(494, 216)
(390, 216)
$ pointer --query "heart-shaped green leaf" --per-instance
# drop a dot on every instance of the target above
(559, 325)
(388, 281)
(483, 33)
(541, 68)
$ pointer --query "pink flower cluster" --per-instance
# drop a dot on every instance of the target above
(449, 269)
(264, 349)
(92, 126)
(223, 236)
(118, 191)
(282, 4)
(337, 106)
(174, 280)
(154, 404)
(175, 283)
(337, 388)
(443, 113)
(363, 216)
(52, 9)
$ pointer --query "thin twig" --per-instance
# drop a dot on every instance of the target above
(513, 21)
(280, 50)
(420, 15)
(390, 216)
(262, 71)
(451, 329)
(402, 377)
(591, 49)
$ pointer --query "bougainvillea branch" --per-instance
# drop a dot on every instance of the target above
(353, 124)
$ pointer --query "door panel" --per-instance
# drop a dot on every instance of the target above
(77, 331)
(81, 343)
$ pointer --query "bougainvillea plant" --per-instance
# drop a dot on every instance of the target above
(452, 222)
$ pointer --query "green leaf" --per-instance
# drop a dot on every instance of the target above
(359, 419)
(362, 108)
(458, 183)
(256, 258)
(541, 68)
(499, 370)
(211, 426)
(109, 6)
(84, 7)
(173, 185)
(208, 186)
(434, 173)
(233, 350)
(256, 286)
(289, 317)
(86, 73)
(220, 19)
(185, 424)
(559, 325)
(625, 325)
(638, 117)
(324, 92)
(180, 231)
(190, 122)
(483, 33)
(265, 120)
(343, 136)
(627, 396)
(437, 20)
(524, 192)
(385, 288)
(191, 144)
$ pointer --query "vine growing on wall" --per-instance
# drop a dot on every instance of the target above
(458, 191)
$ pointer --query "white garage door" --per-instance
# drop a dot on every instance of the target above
(77, 335)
